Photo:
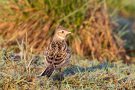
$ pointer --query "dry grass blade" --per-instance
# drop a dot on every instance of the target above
(92, 32)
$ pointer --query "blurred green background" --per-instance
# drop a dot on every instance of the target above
(102, 31)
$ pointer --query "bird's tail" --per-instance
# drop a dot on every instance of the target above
(48, 71)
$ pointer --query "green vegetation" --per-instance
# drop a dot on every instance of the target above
(58, 11)
(36, 20)
(124, 7)
(26, 26)
(82, 74)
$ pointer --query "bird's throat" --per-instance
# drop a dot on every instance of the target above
(57, 37)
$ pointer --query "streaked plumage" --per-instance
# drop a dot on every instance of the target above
(57, 53)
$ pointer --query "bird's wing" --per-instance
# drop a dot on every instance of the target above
(62, 57)
(50, 52)
(57, 54)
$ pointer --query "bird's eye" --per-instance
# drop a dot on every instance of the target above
(62, 31)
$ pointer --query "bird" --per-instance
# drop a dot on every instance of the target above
(57, 53)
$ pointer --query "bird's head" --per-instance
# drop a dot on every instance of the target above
(61, 33)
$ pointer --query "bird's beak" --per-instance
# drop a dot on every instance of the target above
(68, 32)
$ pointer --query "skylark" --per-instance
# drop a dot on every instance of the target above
(57, 53)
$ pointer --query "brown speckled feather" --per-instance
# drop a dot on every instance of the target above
(57, 53)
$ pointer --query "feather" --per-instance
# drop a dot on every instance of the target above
(57, 53)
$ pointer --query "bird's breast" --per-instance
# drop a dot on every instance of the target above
(56, 53)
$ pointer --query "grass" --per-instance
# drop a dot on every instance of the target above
(33, 18)
(59, 11)
(23, 73)
(122, 13)
(123, 7)
(37, 20)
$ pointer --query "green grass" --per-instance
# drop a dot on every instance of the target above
(124, 7)
(58, 11)
(81, 75)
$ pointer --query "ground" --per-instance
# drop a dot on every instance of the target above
(81, 74)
